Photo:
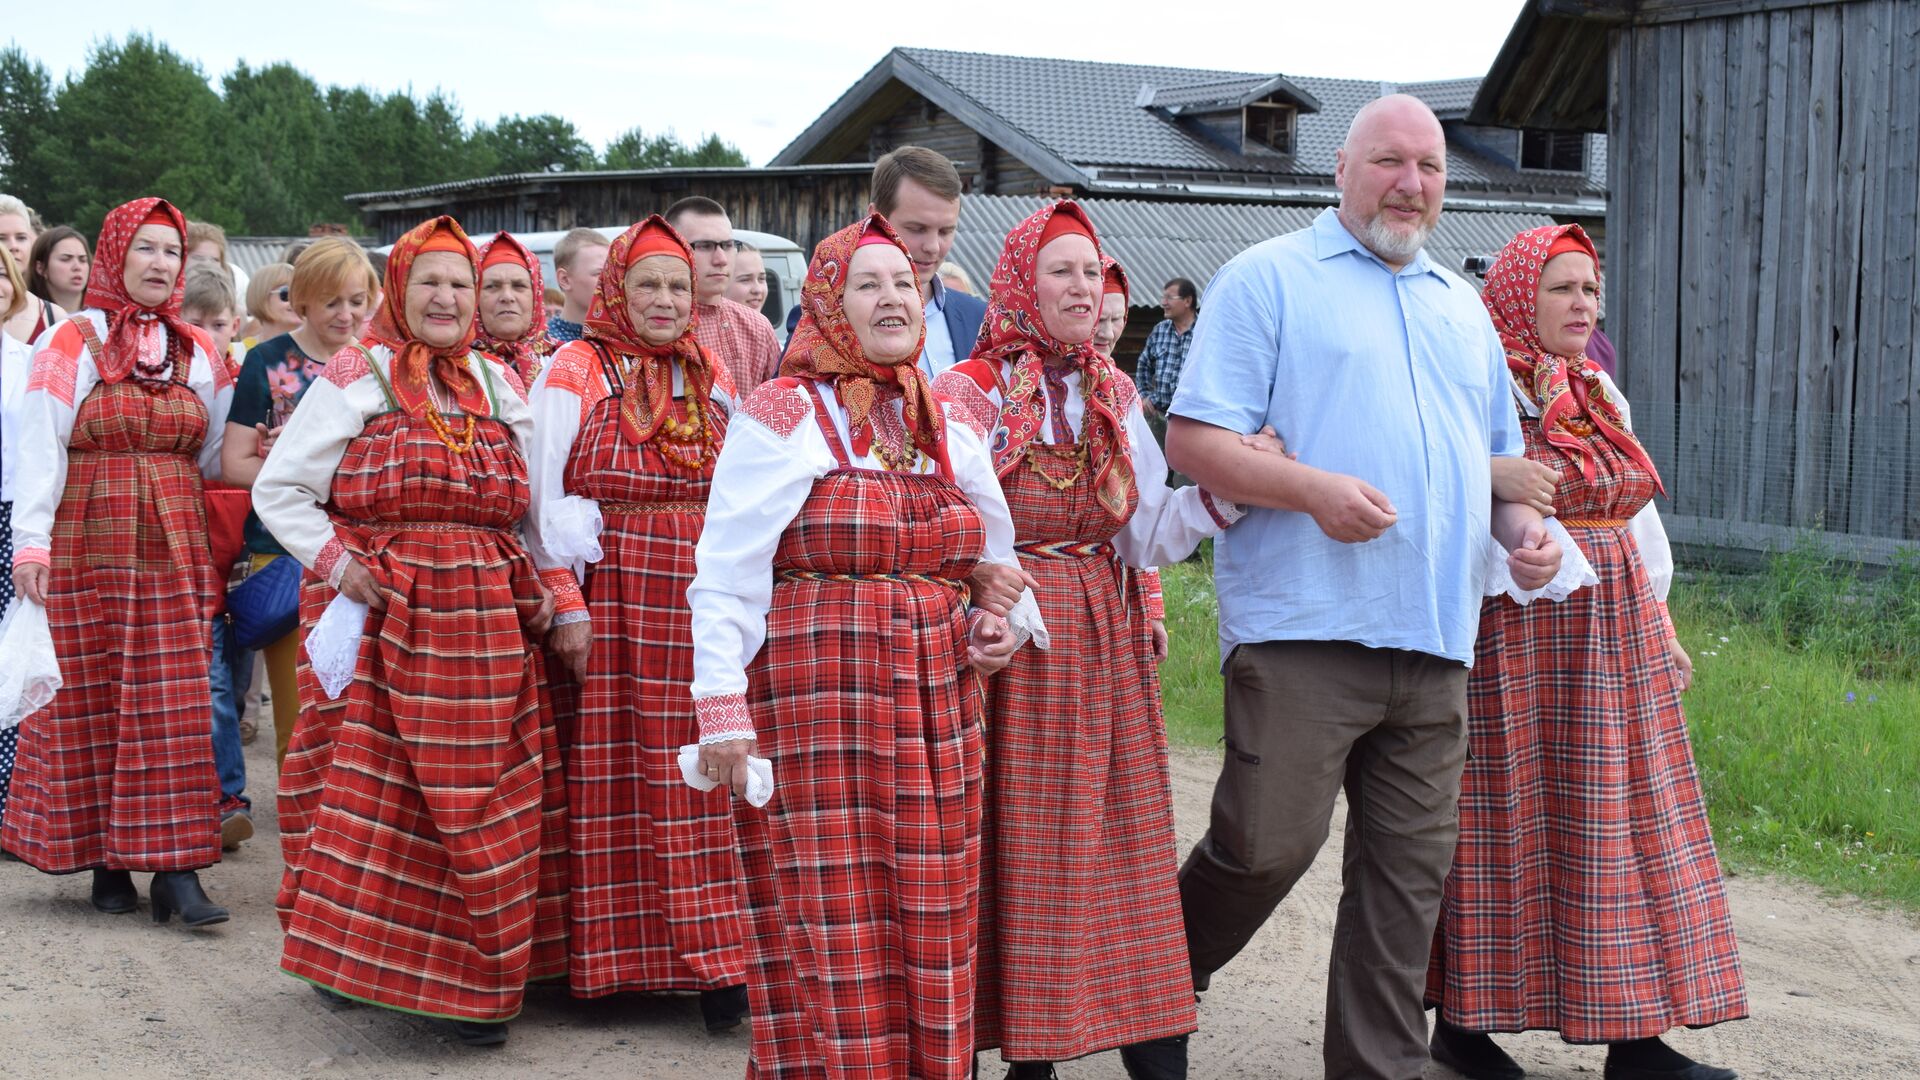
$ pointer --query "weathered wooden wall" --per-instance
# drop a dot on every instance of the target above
(984, 167)
(1764, 214)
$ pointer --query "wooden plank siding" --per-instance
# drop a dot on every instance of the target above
(983, 166)
(1763, 223)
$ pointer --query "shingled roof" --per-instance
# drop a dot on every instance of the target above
(1112, 128)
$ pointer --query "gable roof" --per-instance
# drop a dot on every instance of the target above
(1082, 124)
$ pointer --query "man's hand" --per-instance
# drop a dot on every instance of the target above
(1535, 561)
(990, 644)
(573, 644)
(356, 583)
(997, 588)
(726, 762)
(1525, 481)
(30, 582)
(1682, 663)
(1349, 510)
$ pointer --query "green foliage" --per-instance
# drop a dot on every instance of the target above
(269, 152)
(1806, 690)
(635, 149)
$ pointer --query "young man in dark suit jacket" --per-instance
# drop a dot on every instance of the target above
(919, 192)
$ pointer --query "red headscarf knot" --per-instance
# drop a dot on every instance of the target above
(1568, 389)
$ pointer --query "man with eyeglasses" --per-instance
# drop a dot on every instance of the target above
(740, 336)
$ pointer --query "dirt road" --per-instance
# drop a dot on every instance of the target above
(1835, 989)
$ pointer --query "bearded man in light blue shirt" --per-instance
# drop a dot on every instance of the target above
(1350, 597)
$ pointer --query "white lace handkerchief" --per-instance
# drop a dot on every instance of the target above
(31, 673)
(759, 775)
(334, 643)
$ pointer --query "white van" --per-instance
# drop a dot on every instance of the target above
(786, 266)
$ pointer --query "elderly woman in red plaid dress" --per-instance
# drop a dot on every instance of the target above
(832, 636)
(1082, 946)
(121, 419)
(424, 816)
(1585, 896)
(628, 421)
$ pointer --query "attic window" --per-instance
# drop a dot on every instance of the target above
(1270, 124)
(1553, 151)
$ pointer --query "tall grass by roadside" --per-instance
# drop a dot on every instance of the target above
(1805, 711)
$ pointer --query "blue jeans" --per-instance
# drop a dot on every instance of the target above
(229, 678)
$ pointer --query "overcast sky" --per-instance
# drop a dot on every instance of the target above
(754, 72)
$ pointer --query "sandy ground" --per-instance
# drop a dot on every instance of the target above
(1835, 989)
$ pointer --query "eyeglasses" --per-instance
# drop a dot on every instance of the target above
(708, 247)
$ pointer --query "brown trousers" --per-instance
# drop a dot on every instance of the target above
(1305, 719)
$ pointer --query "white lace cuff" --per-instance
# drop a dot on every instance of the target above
(566, 617)
(1575, 571)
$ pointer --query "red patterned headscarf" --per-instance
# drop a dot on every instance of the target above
(1014, 332)
(107, 290)
(647, 403)
(1114, 278)
(525, 351)
(1567, 389)
(414, 361)
(824, 347)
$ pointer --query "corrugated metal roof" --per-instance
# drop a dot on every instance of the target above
(1158, 241)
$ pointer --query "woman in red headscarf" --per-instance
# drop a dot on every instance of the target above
(628, 421)
(1585, 896)
(423, 813)
(122, 417)
(831, 636)
(1082, 946)
(513, 306)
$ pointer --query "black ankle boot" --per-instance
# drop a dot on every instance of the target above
(113, 892)
(723, 1009)
(1030, 1070)
(1472, 1054)
(477, 1032)
(179, 890)
(1651, 1059)
(1156, 1059)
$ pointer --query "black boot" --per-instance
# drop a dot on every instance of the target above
(723, 1009)
(113, 892)
(336, 1001)
(1651, 1059)
(1030, 1070)
(179, 890)
(1472, 1054)
(477, 1032)
(1156, 1059)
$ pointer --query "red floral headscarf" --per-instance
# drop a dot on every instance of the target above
(414, 361)
(107, 290)
(1567, 389)
(1114, 278)
(824, 347)
(1014, 332)
(525, 351)
(648, 400)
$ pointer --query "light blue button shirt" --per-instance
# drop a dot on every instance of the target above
(937, 356)
(1395, 378)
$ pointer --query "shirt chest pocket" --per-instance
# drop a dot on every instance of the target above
(1456, 350)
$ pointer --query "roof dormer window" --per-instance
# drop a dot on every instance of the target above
(1268, 124)
(1553, 151)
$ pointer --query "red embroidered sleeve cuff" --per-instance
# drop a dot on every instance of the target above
(331, 562)
(33, 557)
(723, 718)
(565, 588)
(1225, 512)
(1154, 600)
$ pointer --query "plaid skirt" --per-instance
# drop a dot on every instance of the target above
(10, 737)
(862, 873)
(117, 771)
(1082, 944)
(430, 877)
(654, 899)
(1585, 897)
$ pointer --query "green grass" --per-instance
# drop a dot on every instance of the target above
(1805, 712)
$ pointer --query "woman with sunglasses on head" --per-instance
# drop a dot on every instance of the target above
(270, 304)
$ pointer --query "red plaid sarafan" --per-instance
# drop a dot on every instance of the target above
(863, 873)
(1082, 947)
(117, 771)
(431, 875)
(654, 901)
(1585, 897)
